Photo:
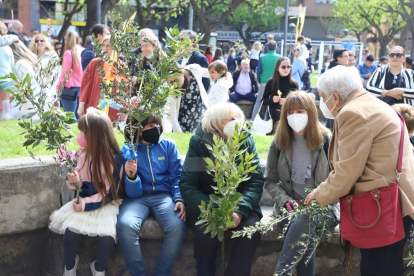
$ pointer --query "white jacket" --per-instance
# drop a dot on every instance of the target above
(219, 91)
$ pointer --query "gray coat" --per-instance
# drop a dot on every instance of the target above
(278, 175)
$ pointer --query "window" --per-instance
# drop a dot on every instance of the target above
(9, 10)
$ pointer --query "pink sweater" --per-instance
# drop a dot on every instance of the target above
(74, 79)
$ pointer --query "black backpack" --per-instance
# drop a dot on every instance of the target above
(305, 76)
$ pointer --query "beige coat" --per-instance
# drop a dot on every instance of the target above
(363, 152)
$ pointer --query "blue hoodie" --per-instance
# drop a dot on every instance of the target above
(159, 169)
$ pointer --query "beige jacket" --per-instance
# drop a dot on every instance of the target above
(363, 152)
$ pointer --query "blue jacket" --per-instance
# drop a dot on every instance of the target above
(363, 70)
(87, 55)
(232, 63)
(159, 169)
(200, 59)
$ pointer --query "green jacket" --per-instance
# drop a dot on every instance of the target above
(195, 183)
(268, 65)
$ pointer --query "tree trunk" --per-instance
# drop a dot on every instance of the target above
(383, 46)
(90, 18)
(65, 26)
(207, 34)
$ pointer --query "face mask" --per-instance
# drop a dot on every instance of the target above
(81, 140)
(151, 135)
(325, 110)
(150, 56)
(230, 127)
(298, 122)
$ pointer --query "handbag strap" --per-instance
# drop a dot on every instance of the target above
(400, 155)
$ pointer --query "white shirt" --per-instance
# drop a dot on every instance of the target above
(184, 62)
(219, 91)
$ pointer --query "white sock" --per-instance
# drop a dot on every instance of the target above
(6, 107)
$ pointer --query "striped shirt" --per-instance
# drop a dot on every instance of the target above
(376, 83)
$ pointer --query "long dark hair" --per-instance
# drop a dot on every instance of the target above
(217, 54)
(102, 146)
(209, 50)
(276, 77)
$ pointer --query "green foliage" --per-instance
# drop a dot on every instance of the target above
(317, 216)
(261, 19)
(360, 16)
(151, 10)
(54, 125)
(230, 167)
(153, 88)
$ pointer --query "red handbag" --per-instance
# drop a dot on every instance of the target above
(373, 219)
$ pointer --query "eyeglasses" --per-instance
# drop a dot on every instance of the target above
(286, 67)
(37, 41)
(398, 55)
(148, 46)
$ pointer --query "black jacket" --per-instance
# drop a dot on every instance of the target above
(200, 59)
(253, 80)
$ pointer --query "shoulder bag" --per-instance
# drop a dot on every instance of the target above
(373, 219)
(260, 125)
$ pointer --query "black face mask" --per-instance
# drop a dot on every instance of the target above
(151, 135)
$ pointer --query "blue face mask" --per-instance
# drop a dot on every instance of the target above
(150, 56)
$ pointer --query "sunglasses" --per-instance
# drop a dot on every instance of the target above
(398, 55)
(37, 41)
(286, 67)
(394, 81)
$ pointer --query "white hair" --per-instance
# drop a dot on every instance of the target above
(244, 61)
(216, 114)
(340, 79)
(146, 30)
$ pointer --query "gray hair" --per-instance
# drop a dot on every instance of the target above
(188, 33)
(244, 61)
(147, 32)
(88, 39)
(340, 79)
(216, 114)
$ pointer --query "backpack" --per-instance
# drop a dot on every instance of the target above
(305, 76)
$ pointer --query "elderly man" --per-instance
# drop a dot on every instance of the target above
(196, 57)
(366, 69)
(245, 85)
(363, 155)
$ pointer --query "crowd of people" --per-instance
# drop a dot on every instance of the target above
(118, 195)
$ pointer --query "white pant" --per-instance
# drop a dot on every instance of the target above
(170, 121)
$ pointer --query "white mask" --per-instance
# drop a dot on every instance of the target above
(325, 110)
(298, 122)
(230, 127)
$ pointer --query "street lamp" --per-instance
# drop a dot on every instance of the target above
(292, 28)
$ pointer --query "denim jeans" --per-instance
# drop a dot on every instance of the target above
(72, 105)
(299, 226)
(251, 97)
(258, 102)
(132, 214)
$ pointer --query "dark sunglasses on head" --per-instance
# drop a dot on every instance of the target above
(398, 55)
(37, 41)
(286, 67)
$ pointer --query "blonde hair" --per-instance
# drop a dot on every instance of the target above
(48, 45)
(71, 44)
(216, 114)
(257, 46)
(3, 28)
(20, 51)
(231, 51)
(114, 55)
(314, 132)
(151, 38)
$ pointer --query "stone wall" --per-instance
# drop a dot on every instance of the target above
(29, 194)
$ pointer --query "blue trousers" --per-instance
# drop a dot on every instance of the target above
(298, 226)
(72, 105)
(251, 97)
(132, 213)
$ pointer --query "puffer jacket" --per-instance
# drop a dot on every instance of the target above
(196, 184)
(278, 175)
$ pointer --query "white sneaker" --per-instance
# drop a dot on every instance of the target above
(94, 272)
(72, 272)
